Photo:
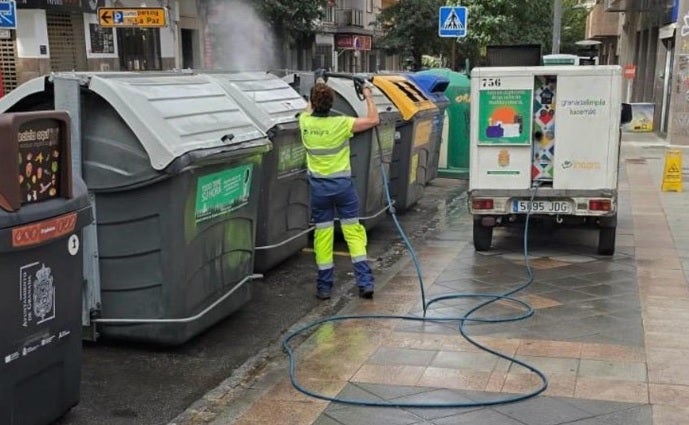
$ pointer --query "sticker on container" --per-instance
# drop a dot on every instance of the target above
(223, 192)
(387, 136)
(422, 132)
(43, 231)
(39, 160)
(36, 294)
(291, 158)
(413, 169)
(73, 245)
(504, 117)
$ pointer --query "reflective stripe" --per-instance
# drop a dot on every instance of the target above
(323, 245)
(355, 236)
(359, 259)
(325, 225)
(346, 221)
(328, 151)
(327, 266)
(345, 173)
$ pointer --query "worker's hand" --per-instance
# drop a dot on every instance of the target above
(366, 91)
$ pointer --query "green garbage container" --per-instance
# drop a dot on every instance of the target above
(174, 166)
(434, 86)
(42, 212)
(283, 213)
(365, 148)
(454, 148)
(414, 136)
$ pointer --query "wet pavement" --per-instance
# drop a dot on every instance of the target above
(610, 333)
(125, 383)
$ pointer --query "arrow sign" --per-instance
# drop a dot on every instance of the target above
(105, 17)
(142, 17)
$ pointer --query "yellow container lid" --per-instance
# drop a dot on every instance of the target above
(406, 95)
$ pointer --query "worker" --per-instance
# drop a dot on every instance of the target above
(326, 139)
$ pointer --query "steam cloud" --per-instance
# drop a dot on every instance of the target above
(237, 38)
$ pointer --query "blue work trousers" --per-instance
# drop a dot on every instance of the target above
(331, 197)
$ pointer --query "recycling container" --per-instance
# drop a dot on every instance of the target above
(283, 212)
(453, 160)
(42, 212)
(413, 138)
(369, 150)
(434, 86)
(174, 166)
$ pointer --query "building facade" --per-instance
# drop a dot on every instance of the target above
(64, 35)
(645, 39)
(348, 36)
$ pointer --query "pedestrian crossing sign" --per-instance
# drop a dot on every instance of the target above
(452, 21)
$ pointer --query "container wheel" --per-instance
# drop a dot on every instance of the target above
(606, 240)
(483, 236)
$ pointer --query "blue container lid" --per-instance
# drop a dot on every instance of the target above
(433, 86)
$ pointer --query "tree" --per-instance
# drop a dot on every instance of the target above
(505, 22)
(573, 26)
(294, 20)
(411, 29)
(294, 23)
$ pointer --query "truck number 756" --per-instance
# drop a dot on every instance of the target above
(490, 82)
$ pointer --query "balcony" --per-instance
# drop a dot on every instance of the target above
(601, 24)
(349, 18)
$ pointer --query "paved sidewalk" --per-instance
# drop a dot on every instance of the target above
(611, 334)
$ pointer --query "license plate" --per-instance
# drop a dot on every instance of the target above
(544, 207)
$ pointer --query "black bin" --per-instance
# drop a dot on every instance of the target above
(41, 269)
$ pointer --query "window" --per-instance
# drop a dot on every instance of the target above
(369, 6)
(139, 49)
(323, 57)
(329, 14)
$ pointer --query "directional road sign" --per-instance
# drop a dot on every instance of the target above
(452, 21)
(142, 17)
(8, 14)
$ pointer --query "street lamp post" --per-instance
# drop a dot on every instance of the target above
(557, 24)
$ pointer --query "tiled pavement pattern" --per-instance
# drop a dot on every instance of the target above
(611, 334)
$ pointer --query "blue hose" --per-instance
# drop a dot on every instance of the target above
(463, 320)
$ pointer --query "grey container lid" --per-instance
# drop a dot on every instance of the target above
(345, 88)
(171, 114)
(267, 99)
(33, 86)
(176, 114)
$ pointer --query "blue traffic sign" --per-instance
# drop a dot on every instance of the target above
(452, 21)
(118, 17)
(8, 14)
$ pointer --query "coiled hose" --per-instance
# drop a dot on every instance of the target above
(462, 320)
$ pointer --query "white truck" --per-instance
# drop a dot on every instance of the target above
(552, 129)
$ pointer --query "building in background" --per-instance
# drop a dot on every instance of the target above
(642, 34)
(347, 40)
(603, 27)
(64, 35)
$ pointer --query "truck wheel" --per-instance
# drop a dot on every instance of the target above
(606, 240)
(483, 236)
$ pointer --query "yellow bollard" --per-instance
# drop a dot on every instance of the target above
(672, 175)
